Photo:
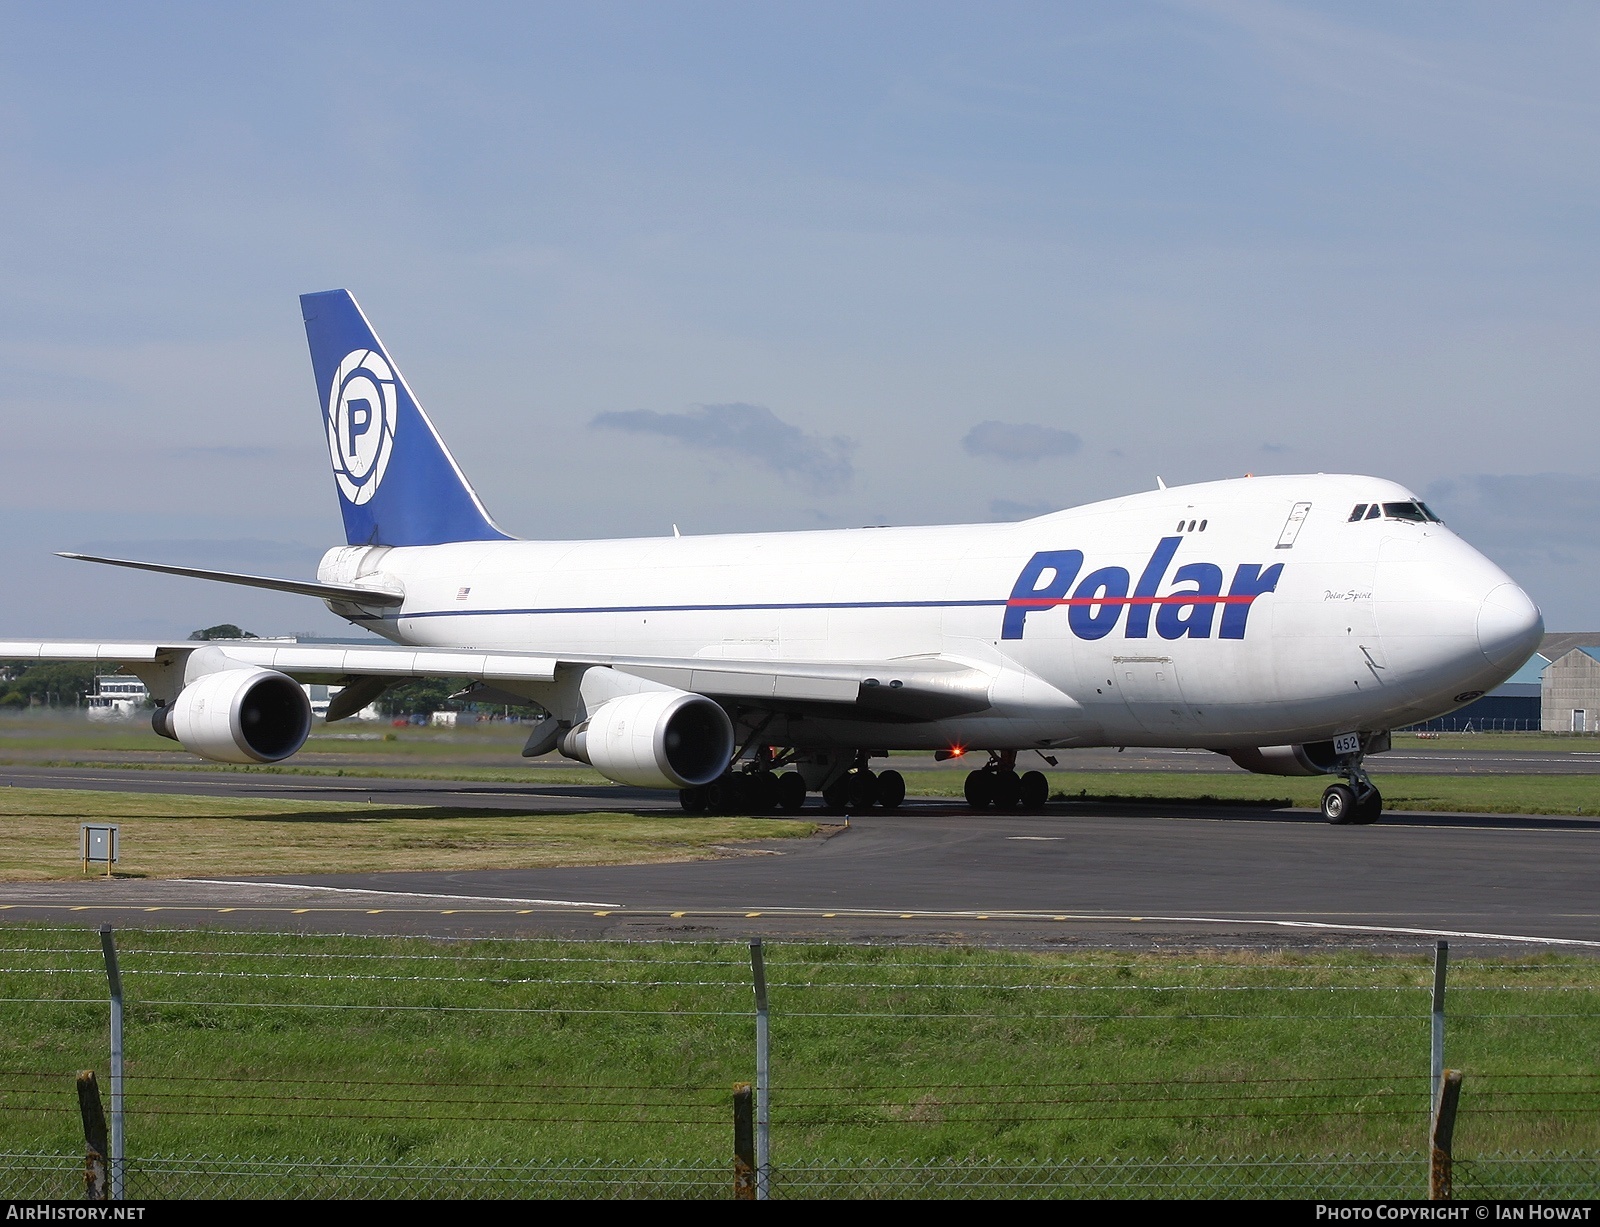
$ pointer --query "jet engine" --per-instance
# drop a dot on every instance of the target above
(238, 716)
(655, 739)
(1315, 758)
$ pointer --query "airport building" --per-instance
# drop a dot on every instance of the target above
(1571, 692)
(116, 696)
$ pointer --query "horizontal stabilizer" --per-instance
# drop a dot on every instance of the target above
(354, 594)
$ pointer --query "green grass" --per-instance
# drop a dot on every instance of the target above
(196, 836)
(1491, 794)
(502, 1050)
(487, 753)
(1499, 743)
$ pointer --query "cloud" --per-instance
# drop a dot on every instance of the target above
(1019, 441)
(1005, 509)
(1535, 515)
(753, 432)
(224, 452)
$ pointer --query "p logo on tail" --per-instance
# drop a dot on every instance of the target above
(397, 482)
(361, 412)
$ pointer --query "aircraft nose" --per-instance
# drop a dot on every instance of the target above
(1510, 625)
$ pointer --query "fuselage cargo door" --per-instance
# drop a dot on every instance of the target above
(1150, 688)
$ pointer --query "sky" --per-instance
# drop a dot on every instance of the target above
(773, 266)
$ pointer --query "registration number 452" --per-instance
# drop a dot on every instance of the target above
(1347, 743)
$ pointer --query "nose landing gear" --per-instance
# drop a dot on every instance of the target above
(1356, 803)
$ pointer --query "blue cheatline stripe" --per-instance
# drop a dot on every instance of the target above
(631, 609)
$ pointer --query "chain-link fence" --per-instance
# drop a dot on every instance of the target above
(46, 1176)
(416, 1068)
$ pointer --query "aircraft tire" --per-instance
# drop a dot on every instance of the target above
(763, 787)
(1369, 809)
(863, 789)
(791, 791)
(1339, 805)
(836, 796)
(891, 789)
(1007, 790)
(1035, 788)
(979, 789)
(693, 800)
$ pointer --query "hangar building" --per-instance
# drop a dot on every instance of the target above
(1570, 701)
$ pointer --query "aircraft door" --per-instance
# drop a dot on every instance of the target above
(1150, 688)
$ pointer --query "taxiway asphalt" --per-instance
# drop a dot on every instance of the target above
(1125, 876)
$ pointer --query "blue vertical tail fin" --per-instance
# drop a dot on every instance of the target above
(397, 482)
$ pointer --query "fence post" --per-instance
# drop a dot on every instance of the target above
(744, 1145)
(94, 1136)
(1441, 960)
(108, 945)
(758, 968)
(1440, 1176)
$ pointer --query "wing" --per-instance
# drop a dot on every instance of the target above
(911, 688)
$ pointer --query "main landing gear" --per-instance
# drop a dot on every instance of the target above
(861, 788)
(1356, 802)
(746, 792)
(998, 784)
(760, 789)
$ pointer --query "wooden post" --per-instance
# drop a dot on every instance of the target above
(744, 1143)
(1444, 1125)
(94, 1136)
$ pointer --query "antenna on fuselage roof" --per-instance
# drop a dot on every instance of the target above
(1160, 485)
(675, 531)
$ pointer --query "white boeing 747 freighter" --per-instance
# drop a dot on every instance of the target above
(1288, 622)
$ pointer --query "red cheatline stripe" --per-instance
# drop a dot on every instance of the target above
(1175, 598)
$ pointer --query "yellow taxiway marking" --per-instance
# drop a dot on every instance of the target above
(980, 917)
(829, 915)
(221, 910)
(373, 911)
(751, 915)
(602, 913)
(83, 908)
(679, 915)
(908, 915)
(299, 911)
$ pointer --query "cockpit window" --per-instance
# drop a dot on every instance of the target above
(1406, 511)
(1419, 512)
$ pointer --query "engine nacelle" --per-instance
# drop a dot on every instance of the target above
(655, 739)
(238, 716)
(1316, 758)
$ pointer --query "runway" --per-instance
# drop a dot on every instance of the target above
(1127, 876)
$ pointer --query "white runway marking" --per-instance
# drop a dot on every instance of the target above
(400, 894)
